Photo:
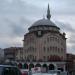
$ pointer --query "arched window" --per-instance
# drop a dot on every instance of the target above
(20, 65)
(45, 67)
(25, 66)
(47, 49)
(48, 58)
(31, 66)
(44, 49)
(47, 39)
(38, 65)
(51, 67)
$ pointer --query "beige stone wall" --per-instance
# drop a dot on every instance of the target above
(48, 44)
(19, 54)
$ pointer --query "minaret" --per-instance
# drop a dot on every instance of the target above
(48, 13)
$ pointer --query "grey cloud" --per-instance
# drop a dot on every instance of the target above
(17, 7)
(9, 43)
(71, 49)
(31, 7)
(4, 45)
(65, 27)
(56, 6)
(72, 38)
(4, 28)
(19, 28)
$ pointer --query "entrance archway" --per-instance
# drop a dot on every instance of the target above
(31, 66)
(51, 67)
(45, 67)
(38, 65)
(25, 66)
(20, 65)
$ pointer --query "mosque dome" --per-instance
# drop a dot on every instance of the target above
(44, 24)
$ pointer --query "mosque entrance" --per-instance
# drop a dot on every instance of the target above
(51, 67)
(25, 66)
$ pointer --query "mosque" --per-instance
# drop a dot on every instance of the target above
(44, 45)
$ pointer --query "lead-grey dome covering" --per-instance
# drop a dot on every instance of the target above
(43, 22)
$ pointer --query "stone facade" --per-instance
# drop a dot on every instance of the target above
(70, 64)
(44, 47)
(13, 53)
(1, 55)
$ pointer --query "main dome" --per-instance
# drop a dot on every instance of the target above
(43, 22)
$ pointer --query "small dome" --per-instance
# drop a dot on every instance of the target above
(43, 22)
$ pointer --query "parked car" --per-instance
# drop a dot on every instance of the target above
(24, 71)
(9, 70)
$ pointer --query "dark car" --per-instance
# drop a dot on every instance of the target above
(9, 70)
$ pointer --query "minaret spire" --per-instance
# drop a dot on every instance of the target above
(48, 13)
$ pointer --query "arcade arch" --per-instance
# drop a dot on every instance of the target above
(51, 67)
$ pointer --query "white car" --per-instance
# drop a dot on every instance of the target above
(44, 74)
(24, 71)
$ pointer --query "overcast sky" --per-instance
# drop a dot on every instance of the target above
(17, 15)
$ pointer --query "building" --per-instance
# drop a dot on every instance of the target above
(70, 64)
(13, 53)
(45, 43)
(19, 56)
(1, 55)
